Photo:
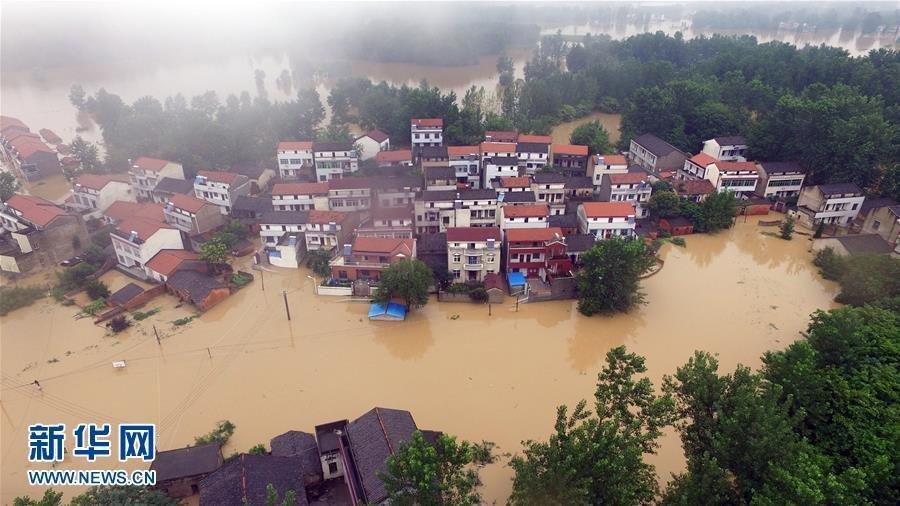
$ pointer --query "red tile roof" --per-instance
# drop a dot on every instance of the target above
(27, 146)
(13, 136)
(492, 280)
(497, 147)
(384, 245)
(526, 211)
(515, 182)
(376, 135)
(570, 149)
(702, 159)
(189, 203)
(399, 155)
(538, 139)
(219, 176)
(167, 260)
(35, 209)
(9, 121)
(295, 146)
(325, 217)
(534, 234)
(95, 181)
(608, 209)
(614, 160)
(427, 122)
(300, 188)
(629, 178)
(694, 187)
(462, 150)
(151, 164)
(120, 210)
(736, 166)
(471, 234)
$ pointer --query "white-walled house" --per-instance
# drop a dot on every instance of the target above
(138, 239)
(607, 164)
(651, 152)
(466, 162)
(300, 196)
(834, 204)
(728, 149)
(550, 189)
(334, 160)
(473, 252)
(780, 179)
(192, 215)
(604, 220)
(494, 168)
(221, 188)
(525, 216)
(533, 152)
(696, 167)
(436, 211)
(274, 224)
(633, 187)
(317, 229)
(145, 173)
(425, 132)
(295, 158)
(371, 143)
(738, 177)
(93, 194)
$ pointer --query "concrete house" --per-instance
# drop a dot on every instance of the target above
(295, 159)
(579, 187)
(192, 215)
(334, 160)
(137, 239)
(92, 194)
(397, 191)
(472, 253)
(221, 188)
(300, 196)
(274, 224)
(425, 132)
(350, 194)
(497, 149)
(145, 173)
(168, 186)
(726, 149)
(167, 261)
(399, 157)
(495, 167)
(436, 211)
(390, 222)
(881, 216)
(550, 189)
(695, 190)
(537, 253)
(26, 151)
(328, 229)
(466, 162)
(571, 156)
(525, 216)
(834, 204)
(651, 152)
(37, 234)
(607, 164)
(696, 167)
(287, 251)
(509, 184)
(533, 152)
(633, 187)
(779, 179)
(180, 471)
(738, 177)
(604, 220)
(506, 136)
(371, 143)
(368, 257)
(439, 177)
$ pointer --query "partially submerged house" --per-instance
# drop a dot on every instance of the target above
(197, 288)
(37, 234)
(180, 471)
(834, 204)
(368, 257)
(245, 480)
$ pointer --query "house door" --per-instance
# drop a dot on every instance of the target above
(473, 276)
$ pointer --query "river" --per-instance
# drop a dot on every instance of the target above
(497, 378)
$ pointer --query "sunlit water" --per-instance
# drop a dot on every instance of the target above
(498, 378)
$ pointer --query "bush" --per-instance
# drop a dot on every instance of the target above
(479, 295)
(869, 278)
(94, 307)
(221, 434)
(118, 324)
(19, 296)
(787, 228)
(96, 289)
(75, 277)
(679, 241)
(259, 449)
(143, 315)
(240, 281)
(459, 288)
(94, 255)
(831, 265)
(183, 321)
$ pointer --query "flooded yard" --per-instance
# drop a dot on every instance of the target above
(498, 378)
(611, 122)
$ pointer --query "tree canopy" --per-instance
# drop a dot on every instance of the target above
(407, 280)
(609, 280)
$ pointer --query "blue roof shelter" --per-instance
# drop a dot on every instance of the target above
(515, 279)
(389, 312)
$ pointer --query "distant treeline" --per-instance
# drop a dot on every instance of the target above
(859, 19)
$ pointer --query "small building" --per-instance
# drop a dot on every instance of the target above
(92, 194)
(167, 261)
(651, 152)
(438, 210)
(533, 152)
(371, 143)
(509, 184)
(248, 209)
(168, 186)
(259, 176)
(432, 249)
(473, 252)
(834, 204)
(246, 479)
(568, 223)
(287, 251)
(634, 187)
(695, 167)
(537, 253)
(881, 216)
(571, 156)
(192, 215)
(695, 190)
(327, 441)
(550, 188)
(524, 216)
(137, 239)
(300, 196)
(779, 180)
(303, 445)
(328, 229)
(197, 288)
(124, 296)
(274, 224)
(678, 225)
(31, 156)
(495, 167)
(577, 244)
(516, 198)
(608, 164)
(37, 234)
(439, 177)
(350, 194)
(180, 471)
(334, 160)
(517, 283)
(738, 177)
(495, 288)
(852, 245)
(387, 312)
(604, 220)
(425, 132)
(221, 188)
(396, 191)
(579, 187)
(145, 173)
(727, 149)
(368, 257)
(295, 159)
(399, 157)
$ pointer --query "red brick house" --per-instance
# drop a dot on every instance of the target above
(537, 252)
(368, 257)
(678, 225)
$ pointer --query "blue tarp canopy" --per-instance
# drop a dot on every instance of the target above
(392, 311)
(515, 279)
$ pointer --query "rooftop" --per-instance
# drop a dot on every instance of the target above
(563, 220)
(515, 182)
(608, 209)
(375, 135)
(300, 188)
(427, 122)
(245, 479)
(186, 462)
(386, 245)
(252, 204)
(737, 166)
(197, 285)
(400, 155)
(295, 145)
(433, 152)
(502, 160)
(121, 296)
(526, 196)
(864, 244)
(497, 147)
(353, 183)
(120, 210)
(549, 178)
(535, 139)
(321, 147)
(534, 234)
(435, 173)
(527, 211)
(35, 209)
(151, 164)
(781, 167)
(167, 261)
(501, 135)
(219, 176)
(733, 140)
(325, 217)
(462, 150)
(451, 195)
(96, 181)
(656, 145)
(614, 159)
(694, 187)
(839, 189)
(284, 218)
(580, 242)
(702, 159)
(189, 203)
(374, 437)
(629, 178)
(570, 149)
(469, 234)
(391, 213)
(172, 185)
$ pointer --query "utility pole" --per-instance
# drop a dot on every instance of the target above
(262, 279)
(286, 308)
(208, 352)
(157, 336)
(489, 309)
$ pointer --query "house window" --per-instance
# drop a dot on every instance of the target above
(876, 224)
(332, 467)
(456, 273)
(456, 257)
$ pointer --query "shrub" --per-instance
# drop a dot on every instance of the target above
(183, 321)
(118, 324)
(143, 315)
(239, 280)
(75, 277)
(868, 278)
(787, 228)
(663, 234)
(679, 241)
(831, 265)
(478, 295)
(96, 289)
(94, 255)
(221, 434)
(259, 449)
(94, 307)
(459, 288)
(19, 296)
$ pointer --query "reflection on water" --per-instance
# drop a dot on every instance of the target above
(497, 377)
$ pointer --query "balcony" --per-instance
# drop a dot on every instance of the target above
(473, 267)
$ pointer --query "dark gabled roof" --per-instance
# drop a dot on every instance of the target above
(876, 203)
(435, 195)
(352, 183)
(125, 294)
(780, 167)
(185, 462)
(255, 204)
(397, 182)
(432, 173)
(295, 443)
(320, 147)
(549, 178)
(532, 147)
(374, 437)
(580, 242)
(523, 197)
(284, 217)
(326, 438)
(838, 189)
(172, 185)
(245, 479)
(431, 243)
(197, 285)
(656, 145)
(433, 152)
(251, 171)
(731, 140)
(502, 160)
(563, 220)
(578, 182)
(866, 243)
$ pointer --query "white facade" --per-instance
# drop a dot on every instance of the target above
(294, 158)
(738, 177)
(607, 164)
(146, 173)
(471, 260)
(604, 225)
(832, 206)
(94, 201)
(497, 167)
(287, 252)
(369, 147)
(426, 132)
(299, 198)
(335, 163)
(433, 216)
(779, 180)
(220, 193)
(637, 193)
(533, 161)
(727, 149)
(524, 222)
(132, 254)
(467, 165)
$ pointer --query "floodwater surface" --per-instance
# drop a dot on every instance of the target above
(611, 122)
(457, 369)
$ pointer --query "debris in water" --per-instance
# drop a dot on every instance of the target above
(774, 307)
(772, 325)
(454, 317)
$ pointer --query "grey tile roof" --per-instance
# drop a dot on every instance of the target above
(432, 173)
(320, 147)
(431, 243)
(876, 203)
(656, 145)
(373, 438)
(549, 178)
(257, 205)
(532, 147)
(580, 242)
(838, 189)
(244, 481)
(502, 160)
(563, 220)
(437, 195)
(781, 167)
(579, 182)
(284, 217)
(299, 444)
(125, 294)
(197, 284)
(185, 462)
(519, 197)
(863, 244)
(433, 152)
(172, 185)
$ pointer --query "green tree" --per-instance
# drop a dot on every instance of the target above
(86, 153)
(131, 494)
(214, 252)
(593, 135)
(309, 113)
(598, 459)
(664, 204)
(420, 472)
(719, 210)
(77, 96)
(8, 185)
(318, 261)
(609, 281)
(506, 69)
(96, 289)
(831, 265)
(50, 498)
(221, 434)
(786, 228)
(290, 497)
(408, 280)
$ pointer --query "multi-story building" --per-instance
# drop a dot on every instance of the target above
(695, 190)
(738, 177)
(425, 132)
(516, 197)
(300, 196)
(436, 211)
(579, 187)
(537, 253)
(395, 222)
(146, 172)
(295, 159)
(274, 224)
(192, 215)
(497, 149)
(727, 149)
(368, 257)
(138, 239)
(168, 186)
(439, 177)
(37, 234)
(607, 164)
(334, 160)
(572, 157)
(633, 187)
(473, 252)
(696, 167)
(399, 191)
(550, 188)
(507, 184)
(328, 229)
(220, 188)
(882, 217)
(651, 152)
(604, 220)
(350, 194)
(466, 162)
(371, 143)
(533, 152)
(495, 167)
(779, 179)
(93, 194)
(525, 216)
(30, 155)
(833, 204)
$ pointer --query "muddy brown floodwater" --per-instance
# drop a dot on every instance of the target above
(498, 378)
(611, 122)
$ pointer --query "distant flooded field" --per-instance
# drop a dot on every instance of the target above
(611, 122)
(498, 378)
